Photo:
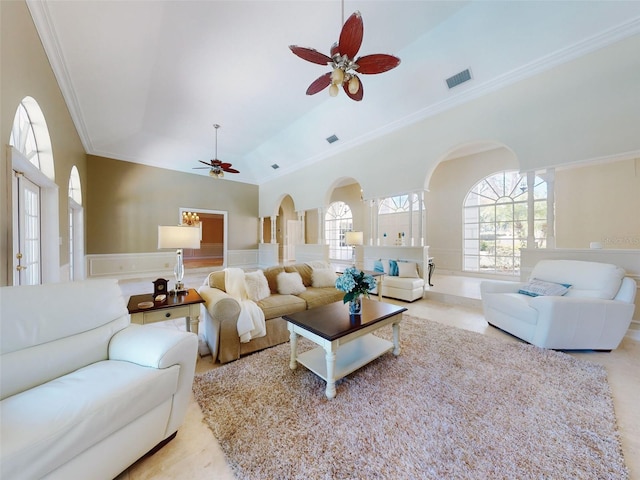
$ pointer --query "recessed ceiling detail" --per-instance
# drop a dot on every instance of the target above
(332, 139)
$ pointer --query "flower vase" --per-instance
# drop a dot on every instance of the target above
(355, 306)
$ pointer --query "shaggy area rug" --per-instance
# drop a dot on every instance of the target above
(454, 405)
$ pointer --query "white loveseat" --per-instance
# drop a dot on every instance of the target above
(84, 394)
(593, 314)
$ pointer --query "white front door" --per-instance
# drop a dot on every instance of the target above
(26, 232)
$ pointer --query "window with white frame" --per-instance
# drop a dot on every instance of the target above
(338, 220)
(399, 219)
(498, 223)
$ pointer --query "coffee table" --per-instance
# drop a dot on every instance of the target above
(346, 342)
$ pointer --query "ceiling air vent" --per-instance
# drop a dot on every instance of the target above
(275, 166)
(332, 139)
(459, 78)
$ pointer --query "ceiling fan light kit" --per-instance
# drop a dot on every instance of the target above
(215, 166)
(343, 62)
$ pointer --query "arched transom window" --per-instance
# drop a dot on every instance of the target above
(497, 222)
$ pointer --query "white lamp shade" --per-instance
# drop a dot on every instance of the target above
(170, 236)
(353, 238)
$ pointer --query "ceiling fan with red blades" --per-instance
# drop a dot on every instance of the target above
(215, 166)
(343, 61)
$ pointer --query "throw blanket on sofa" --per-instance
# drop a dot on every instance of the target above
(251, 322)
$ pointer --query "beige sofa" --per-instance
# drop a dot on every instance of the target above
(220, 311)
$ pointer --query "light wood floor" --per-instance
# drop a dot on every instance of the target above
(195, 454)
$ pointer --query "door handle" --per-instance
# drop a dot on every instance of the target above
(20, 268)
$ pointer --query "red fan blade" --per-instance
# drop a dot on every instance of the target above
(354, 96)
(206, 163)
(310, 55)
(351, 36)
(334, 49)
(215, 162)
(377, 63)
(319, 84)
(231, 170)
(224, 165)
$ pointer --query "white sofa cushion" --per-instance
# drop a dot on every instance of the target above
(49, 425)
(587, 279)
(403, 282)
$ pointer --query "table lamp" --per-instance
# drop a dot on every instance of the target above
(178, 237)
(353, 239)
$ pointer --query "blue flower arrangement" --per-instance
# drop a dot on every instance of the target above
(355, 283)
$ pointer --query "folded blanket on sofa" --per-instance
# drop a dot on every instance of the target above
(251, 323)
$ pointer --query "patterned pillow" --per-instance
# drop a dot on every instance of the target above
(538, 288)
(290, 283)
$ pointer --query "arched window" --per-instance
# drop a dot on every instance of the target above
(400, 219)
(498, 223)
(76, 249)
(35, 226)
(338, 220)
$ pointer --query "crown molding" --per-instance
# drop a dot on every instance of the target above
(49, 38)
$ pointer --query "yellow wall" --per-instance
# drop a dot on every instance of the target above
(126, 202)
(26, 72)
(599, 203)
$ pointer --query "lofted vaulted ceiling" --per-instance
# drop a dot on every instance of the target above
(146, 80)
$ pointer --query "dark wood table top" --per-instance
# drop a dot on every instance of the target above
(190, 297)
(333, 321)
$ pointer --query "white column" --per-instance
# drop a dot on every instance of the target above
(301, 219)
(261, 229)
(550, 178)
(273, 229)
(531, 178)
(320, 226)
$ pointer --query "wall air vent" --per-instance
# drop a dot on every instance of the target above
(275, 166)
(459, 78)
(332, 139)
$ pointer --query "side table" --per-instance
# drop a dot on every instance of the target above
(175, 306)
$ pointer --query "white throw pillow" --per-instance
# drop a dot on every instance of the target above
(323, 277)
(256, 285)
(290, 283)
(408, 270)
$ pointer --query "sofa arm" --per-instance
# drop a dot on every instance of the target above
(581, 323)
(499, 287)
(160, 348)
(221, 324)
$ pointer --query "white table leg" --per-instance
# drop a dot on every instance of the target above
(396, 338)
(331, 381)
(293, 340)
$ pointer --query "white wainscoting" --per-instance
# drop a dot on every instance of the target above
(627, 259)
(268, 254)
(311, 252)
(130, 265)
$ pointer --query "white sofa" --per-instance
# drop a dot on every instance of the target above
(84, 394)
(594, 314)
(407, 284)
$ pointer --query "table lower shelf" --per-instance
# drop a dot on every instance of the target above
(349, 357)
